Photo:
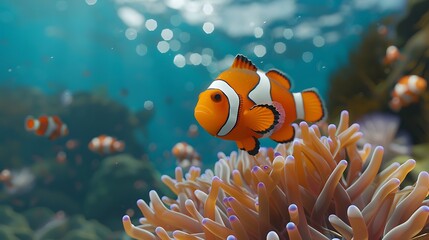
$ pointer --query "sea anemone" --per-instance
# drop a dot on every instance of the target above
(315, 187)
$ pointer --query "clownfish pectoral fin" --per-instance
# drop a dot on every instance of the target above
(283, 135)
(313, 106)
(262, 118)
(279, 77)
(242, 62)
(251, 145)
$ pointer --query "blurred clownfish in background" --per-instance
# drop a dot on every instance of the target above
(244, 104)
(51, 127)
(407, 91)
(392, 55)
(186, 155)
(106, 145)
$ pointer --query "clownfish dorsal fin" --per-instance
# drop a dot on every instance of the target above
(279, 77)
(262, 118)
(242, 62)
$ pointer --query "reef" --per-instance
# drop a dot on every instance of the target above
(364, 84)
(123, 177)
(320, 186)
(42, 223)
(42, 180)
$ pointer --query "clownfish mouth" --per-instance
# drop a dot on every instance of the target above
(205, 117)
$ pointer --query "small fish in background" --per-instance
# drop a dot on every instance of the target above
(392, 55)
(407, 91)
(244, 104)
(22, 181)
(186, 155)
(6, 178)
(72, 144)
(104, 144)
(48, 126)
(61, 157)
(193, 131)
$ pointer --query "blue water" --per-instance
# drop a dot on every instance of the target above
(85, 46)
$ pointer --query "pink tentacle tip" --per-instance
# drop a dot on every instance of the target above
(216, 179)
(424, 174)
(261, 185)
(204, 221)
(343, 162)
(233, 218)
(293, 207)
(231, 237)
(140, 202)
(255, 168)
(290, 158)
(290, 226)
(125, 218)
(425, 208)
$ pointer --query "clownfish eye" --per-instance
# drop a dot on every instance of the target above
(216, 97)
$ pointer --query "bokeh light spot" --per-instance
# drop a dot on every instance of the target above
(288, 33)
(163, 46)
(195, 58)
(151, 24)
(131, 33)
(307, 57)
(318, 41)
(141, 49)
(279, 47)
(208, 27)
(91, 2)
(175, 45)
(179, 60)
(258, 32)
(260, 50)
(166, 34)
(148, 105)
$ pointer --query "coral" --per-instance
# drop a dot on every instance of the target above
(313, 188)
(122, 172)
(364, 84)
(75, 227)
(13, 225)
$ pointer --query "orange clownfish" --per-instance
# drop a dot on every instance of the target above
(392, 55)
(186, 155)
(244, 104)
(407, 91)
(106, 145)
(51, 127)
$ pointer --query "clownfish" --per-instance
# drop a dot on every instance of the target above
(244, 104)
(51, 127)
(185, 155)
(407, 91)
(392, 55)
(106, 145)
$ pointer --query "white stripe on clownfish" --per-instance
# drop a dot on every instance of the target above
(261, 94)
(412, 84)
(107, 141)
(234, 102)
(51, 127)
(299, 105)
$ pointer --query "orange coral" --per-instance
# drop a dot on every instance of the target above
(313, 188)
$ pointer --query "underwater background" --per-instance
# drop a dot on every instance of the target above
(133, 70)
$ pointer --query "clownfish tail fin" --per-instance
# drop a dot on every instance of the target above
(30, 123)
(313, 106)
